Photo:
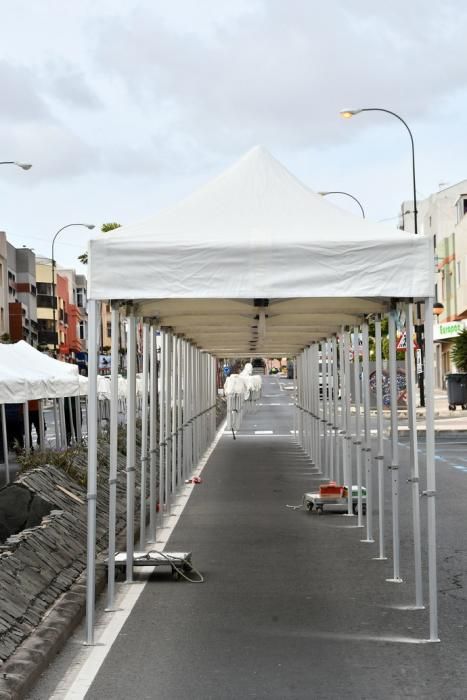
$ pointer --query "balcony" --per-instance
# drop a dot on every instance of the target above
(45, 301)
(47, 337)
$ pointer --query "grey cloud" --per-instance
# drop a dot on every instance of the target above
(69, 86)
(54, 151)
(284, 70)
(21, 98)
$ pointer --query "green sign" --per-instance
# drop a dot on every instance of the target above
(447, 330)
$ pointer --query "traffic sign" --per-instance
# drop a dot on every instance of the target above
(402, 342)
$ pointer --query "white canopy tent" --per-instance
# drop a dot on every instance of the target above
(256, 264)
(27, 374)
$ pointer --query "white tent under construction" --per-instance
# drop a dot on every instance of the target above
(253, 264)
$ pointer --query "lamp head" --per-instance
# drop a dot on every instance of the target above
(348, 113)
(323, 194)
(24, 166)
(438, 308)
(90, 226)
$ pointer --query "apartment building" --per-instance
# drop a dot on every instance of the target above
(65, 331)
(443, 216)
(4, 317)
(22, 295)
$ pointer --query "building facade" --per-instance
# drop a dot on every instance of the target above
(443, 217)
(22, 295)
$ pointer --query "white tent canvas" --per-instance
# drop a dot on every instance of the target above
(257, 231)
(27, 374)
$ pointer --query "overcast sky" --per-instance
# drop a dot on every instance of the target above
(125, 107)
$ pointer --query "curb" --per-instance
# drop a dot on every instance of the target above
(20, 673)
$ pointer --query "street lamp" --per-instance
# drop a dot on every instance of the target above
(90, 227)
(438, 309)
(23, 166)
(348, 114)
(325, 194)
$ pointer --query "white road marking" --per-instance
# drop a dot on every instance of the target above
(95, 656)
(264, 432)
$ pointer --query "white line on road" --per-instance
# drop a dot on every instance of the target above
(96, 655)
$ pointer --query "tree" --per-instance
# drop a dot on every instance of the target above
(83, 258)
(459, 351)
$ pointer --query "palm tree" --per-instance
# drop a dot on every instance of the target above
(83, 258)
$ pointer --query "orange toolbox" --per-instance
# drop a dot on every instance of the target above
(331, 490)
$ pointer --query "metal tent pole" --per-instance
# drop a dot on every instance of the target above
(26, 427)
(341, 377)
(318, 404)
(348, 432)
(61, 414)
(92, 470)
(335, 417)
(430, 492)
(367, 433)
(394, 449)
(295, 408)
(41, 435)
(186, 409)
(323, 411)
(358, 427)
(58, 439)
(379, 430)
(72, 421)
(113, 456)
(309, 404)
(153, 397)
(179, 410)
(5, 446)
(130, 444)
(174, 414)
(328, 403)
(414, 472)
(144, 437)
(168, 423)
(162, 424)
(332, 454)
(79, 429)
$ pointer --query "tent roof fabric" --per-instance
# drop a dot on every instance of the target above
(27, 374)
(257, 233)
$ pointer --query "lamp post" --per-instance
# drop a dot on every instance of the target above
(348, 114)
(54, 305)
(23, 166)
(347, 194)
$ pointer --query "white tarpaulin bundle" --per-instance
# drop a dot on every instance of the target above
(27, 374)
(236, 384)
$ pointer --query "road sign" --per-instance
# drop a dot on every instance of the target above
(402, 342)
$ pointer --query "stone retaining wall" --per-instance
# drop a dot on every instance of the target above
(39, 564)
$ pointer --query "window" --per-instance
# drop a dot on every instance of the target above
(458, 272)
(461, 207)
(109, 329)
(82, 330)
(44, 288)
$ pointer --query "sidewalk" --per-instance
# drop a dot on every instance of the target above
(446, 422)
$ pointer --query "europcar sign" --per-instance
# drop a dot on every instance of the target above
(447, 330)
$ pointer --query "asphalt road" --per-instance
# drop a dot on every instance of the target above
(293, 605)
